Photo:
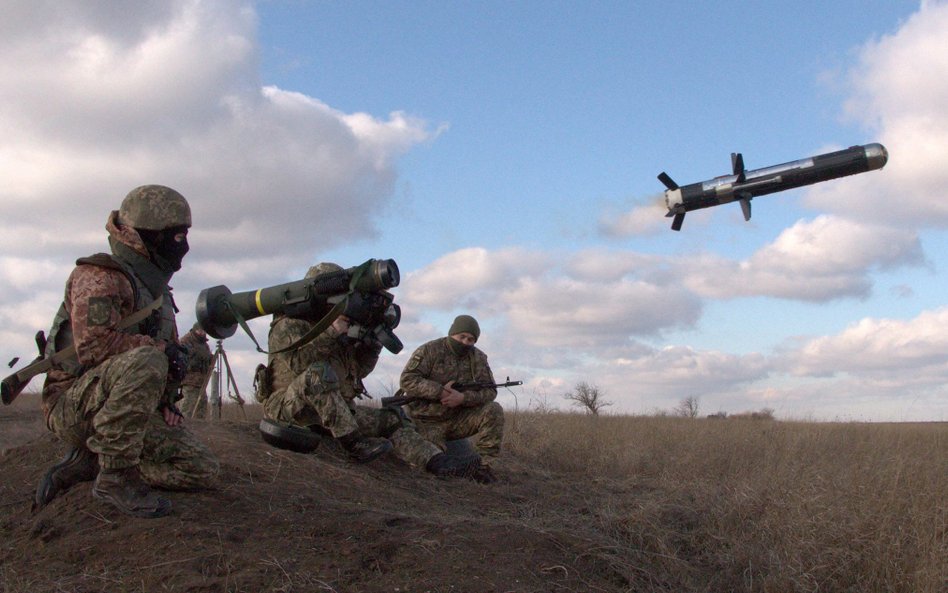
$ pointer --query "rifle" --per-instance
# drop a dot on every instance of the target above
(12, 385)
(400, 400)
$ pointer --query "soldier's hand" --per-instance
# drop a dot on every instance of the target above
(177, 361)
(451, 398)
(172, 415)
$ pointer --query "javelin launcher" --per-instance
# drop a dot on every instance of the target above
(743, 185)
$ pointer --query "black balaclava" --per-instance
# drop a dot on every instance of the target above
(459, 348)
(165, 251)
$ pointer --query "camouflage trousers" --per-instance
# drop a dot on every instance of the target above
(484, 423)
(313, 399)
(113, 410)
(194, 402)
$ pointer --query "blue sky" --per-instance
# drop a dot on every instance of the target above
(505, 155)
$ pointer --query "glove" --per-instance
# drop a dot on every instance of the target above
(170, 406)
(177, 361)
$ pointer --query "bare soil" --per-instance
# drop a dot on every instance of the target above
(282, 521)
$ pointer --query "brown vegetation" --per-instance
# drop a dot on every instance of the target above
(586, 503)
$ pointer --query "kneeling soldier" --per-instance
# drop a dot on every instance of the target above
(114, 403)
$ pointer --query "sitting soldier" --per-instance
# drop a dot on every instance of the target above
(443, 414)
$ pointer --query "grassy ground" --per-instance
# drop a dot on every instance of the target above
(745, 505)
(610, 503)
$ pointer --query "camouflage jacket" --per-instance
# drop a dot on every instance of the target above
(350, 362)
(96, 299)
(199, 359)
(432, 365)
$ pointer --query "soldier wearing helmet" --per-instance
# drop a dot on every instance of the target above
(316, 386)
(113, 403)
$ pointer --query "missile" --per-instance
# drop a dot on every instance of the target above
(743, 185)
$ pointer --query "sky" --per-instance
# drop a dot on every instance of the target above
(505, 155)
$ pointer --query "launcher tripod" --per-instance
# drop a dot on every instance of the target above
(222, 375)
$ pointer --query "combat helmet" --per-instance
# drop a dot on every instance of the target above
(322, 268)
(154, 208)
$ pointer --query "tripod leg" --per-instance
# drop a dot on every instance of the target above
(215, 398)
(231, 382)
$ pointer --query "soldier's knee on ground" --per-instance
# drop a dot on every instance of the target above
(200, 472)
(364, 449)
(125, 490)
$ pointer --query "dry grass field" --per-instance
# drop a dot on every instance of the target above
(604, 504)
(750, 505)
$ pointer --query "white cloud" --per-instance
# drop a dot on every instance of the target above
(544, 305)
(111, 103)
(912, 351)
(580, 314)
(471, 276)
(900, 89)
(818, 260)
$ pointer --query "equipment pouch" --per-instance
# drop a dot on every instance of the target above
(261, 383)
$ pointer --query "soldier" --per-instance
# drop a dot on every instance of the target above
(445, 414)
(194, 396)
(316, 384)
(114, 404)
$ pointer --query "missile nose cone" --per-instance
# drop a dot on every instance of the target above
(876, 156)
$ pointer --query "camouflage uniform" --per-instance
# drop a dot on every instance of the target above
(431, 366)
(316, 386)
(200, 358)
(108, 400)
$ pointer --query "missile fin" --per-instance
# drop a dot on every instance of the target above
(737, 166)
(668, 181)
(746, 208)
(679, 218)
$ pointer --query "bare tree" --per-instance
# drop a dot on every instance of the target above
(389, 388)
(587, 396)
(688, 407)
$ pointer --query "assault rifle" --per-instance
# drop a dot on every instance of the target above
(400, 400)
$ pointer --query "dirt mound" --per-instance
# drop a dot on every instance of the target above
(283, 521)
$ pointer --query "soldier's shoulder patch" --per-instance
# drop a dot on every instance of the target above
(100, 310)
(414, 363)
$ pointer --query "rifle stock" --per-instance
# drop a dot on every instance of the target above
(14, 384)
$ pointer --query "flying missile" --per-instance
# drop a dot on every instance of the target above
(743, 185)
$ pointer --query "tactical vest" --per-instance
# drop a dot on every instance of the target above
(159, 325)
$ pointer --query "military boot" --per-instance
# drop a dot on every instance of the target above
(125, 490)
(78, 465)
(483, 474)
(365, 449)
(451, 466)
